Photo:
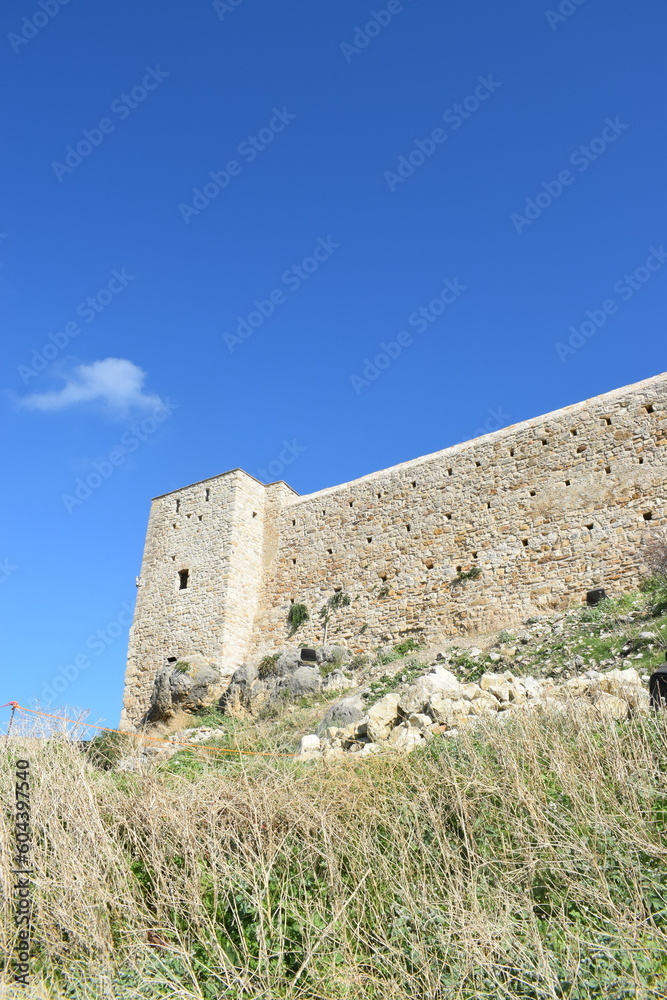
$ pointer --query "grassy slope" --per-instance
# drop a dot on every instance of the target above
(523, 860)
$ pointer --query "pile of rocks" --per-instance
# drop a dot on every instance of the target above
(284, 679)
(438, 703)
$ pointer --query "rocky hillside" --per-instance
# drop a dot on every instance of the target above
(595, 661)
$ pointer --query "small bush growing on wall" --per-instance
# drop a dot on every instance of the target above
(337, 601)
(296, 616)
(469, 574)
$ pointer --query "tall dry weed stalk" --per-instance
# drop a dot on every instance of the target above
(524, 860)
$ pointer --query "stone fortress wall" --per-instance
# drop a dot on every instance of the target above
(546, 509)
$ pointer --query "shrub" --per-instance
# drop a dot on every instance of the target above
(470, 574)
(655, 556)
(407, 646)
(296, 616)
(268, 666)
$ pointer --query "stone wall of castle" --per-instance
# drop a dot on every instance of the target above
(545, 509)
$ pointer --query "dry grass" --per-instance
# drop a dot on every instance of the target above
(527, 860)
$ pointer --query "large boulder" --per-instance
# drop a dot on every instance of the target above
(417, 695)
(343, 714)
(301, 683)
(186, 686)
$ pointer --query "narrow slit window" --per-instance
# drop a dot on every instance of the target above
(641, 461)
(208, 495)
(183, 577)
(178, 506)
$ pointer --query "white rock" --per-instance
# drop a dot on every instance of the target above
(310, 742)
(495, 657)
(382, 716)
(608, 706)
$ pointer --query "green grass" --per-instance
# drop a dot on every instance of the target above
(481, 868)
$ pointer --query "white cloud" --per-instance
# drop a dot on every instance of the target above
(115, 382)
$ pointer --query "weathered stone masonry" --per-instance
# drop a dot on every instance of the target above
(546, 509)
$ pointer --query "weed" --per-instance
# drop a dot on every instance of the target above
(296, 617)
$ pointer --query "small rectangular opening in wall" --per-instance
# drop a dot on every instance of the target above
(448, 517)
(293, 562)
(511, 452)
(573, 431)
(407, 527)
(208, 495)
(474, 555)
(607, 421)
(649, 408)
(450, 472)
(200, 516)
(459, 569)
(183, 576)
(254, 513)
(178, 506)
(545, 441)
(488, 505)
(533, 493)
(567, 482)
(174, 525)
(379, 496)
(351, 502)
(369, 539)
(330, 551)
(293, 523)
(589, 527)
(607, 469)
(477, 465)
(414, 483)
(648, 516)
(641, 461)
(524, 542)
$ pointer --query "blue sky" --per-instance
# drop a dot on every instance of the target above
(309, 239)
